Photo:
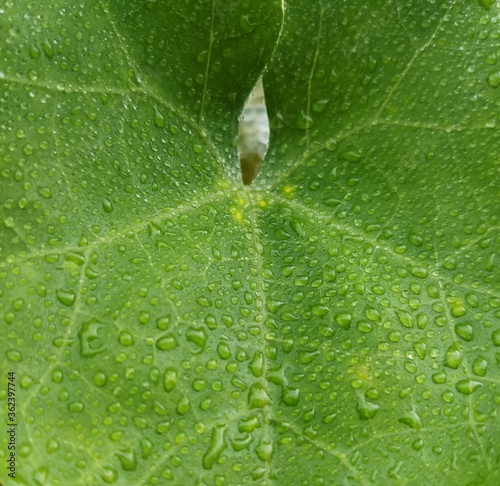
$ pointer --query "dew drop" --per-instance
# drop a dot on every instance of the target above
(66, 297)
(344, 320)
(453, 357)
(90, 342)
(405, 318)
(494, 79)
(479, 366)
(257, 364)
(14, 355)
(465, 331)
(107, 205)
(127, 459)
(159, 118)
(169, 379)
(367, 410)
(217, 445)
(495, 337)
(257, 396)
(167, 342)
(412, 419)
(467, 386)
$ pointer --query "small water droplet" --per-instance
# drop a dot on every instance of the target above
(76, 407)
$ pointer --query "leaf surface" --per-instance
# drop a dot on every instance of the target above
(337, 322)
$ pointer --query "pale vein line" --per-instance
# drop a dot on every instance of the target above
(311, 75)
(263, 302)
(70, 329)
(159, 217)
(63, 88)
(341, 456)
(310, 153)
(378, 245)
(207, 67)
(410, 64)
(471, 421)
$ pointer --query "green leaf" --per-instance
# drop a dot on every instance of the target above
(336, 322)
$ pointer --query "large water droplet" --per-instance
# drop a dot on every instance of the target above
(467, 386)
(453, 356)
(217, 445)
(412, 419)
(169, 379)
(90, 341)
(465, 331)
(66, 297)
(367, 410)
(257, 396)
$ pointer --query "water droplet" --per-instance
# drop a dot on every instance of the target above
(494, 79)
(217, 445)
(257, 396)
(100, 378)
(453, 357)
(290, 396)
(344, 320)
(45, 192)
(264, 451)
(495, 337)
(467, 386)
(199, 336)
(169, 379)
(125, 338)
(52, 446)
(412, 419)
(76, 407)
(159, 118)
(66, 297)
(465, 331)
(14, 355)
(257, 364)
(107, 205)
(127, 460)
(183, 406)
(439, 378)
(48, 49)
(90, 342)
(109, 475)
(167, 342)
(223, 350)
(367, 410)
(479, 366)
(405, 318)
